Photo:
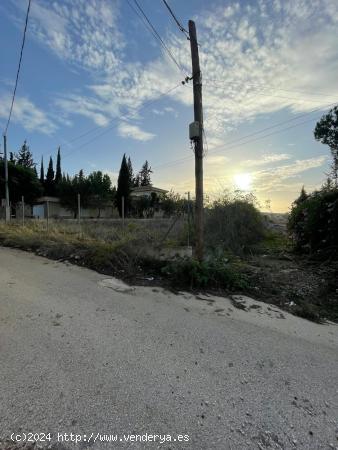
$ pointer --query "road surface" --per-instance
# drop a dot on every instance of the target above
(82, 354)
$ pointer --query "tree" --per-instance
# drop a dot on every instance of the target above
(314, 224)
(123, 187)
(302, 197)
(145, 174)
(12, 157)
(100, 190)
(42, 172)
(58, 173)
(137, 181)
(24, 157)
(49, 183)
(69, 188)
(326, 132)
(131, 173)
(22, 182)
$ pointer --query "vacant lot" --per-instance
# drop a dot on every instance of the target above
(149, 252)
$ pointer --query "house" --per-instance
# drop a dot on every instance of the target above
(52, 206)
(146, 191)
(146, 201)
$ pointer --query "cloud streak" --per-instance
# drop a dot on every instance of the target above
(127, 130)
(266, 159)
(273, 178)
(27, 114)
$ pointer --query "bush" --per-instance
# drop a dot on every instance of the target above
(234, 224)
(216, 273)
(313, 223)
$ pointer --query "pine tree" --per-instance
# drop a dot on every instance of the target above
(42, 172)
(58, 173)
(137, 181)
(12, 158)
(49, 184)
(123, 187)
(25, 157)
(145, 172)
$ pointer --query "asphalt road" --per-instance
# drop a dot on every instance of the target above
(79, 354)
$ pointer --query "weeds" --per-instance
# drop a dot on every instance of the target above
(216, 274)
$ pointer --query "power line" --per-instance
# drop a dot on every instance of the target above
(175, 19)
(149, 102)
(19, 67)
(264, 93)
(262, 88)
(112, 122)
(237, 142)
(150, 27)
(217, 149)
(115, 120)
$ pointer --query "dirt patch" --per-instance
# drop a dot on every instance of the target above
(301, 286)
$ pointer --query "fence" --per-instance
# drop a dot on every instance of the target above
(174, 229)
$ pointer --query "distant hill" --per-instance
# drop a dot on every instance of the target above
(276, 221)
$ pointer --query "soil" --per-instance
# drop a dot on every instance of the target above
(302, 286)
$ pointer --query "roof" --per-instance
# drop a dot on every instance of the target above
(47, 198)
(149, 188)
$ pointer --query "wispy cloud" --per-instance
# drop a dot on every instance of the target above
(85, 33)
(256, 59)
(27, 114)
(128, 130)
(269, 179)
(87, 107)
(216, 160)
(266, 159)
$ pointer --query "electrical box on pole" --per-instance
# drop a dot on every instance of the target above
(194, 131)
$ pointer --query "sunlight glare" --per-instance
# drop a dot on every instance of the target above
(243, 181)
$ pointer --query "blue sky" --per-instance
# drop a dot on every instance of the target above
(93, 81)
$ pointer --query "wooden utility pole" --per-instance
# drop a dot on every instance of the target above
(188, 211)
(47, 215)
(23, 210)
(7, 209)
(78, 208)
(198, 142)
(122, 212)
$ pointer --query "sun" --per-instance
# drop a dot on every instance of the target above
(243, 181)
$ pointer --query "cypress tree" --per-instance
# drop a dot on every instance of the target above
(131, 172)
(50, 178)
(58, 173)
(42, 172)
(123, 187)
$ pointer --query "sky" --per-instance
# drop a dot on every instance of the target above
(96, 82)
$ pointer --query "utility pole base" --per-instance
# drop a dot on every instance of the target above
(7, 214)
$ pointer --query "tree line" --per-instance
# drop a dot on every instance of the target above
(96, 189)
(313, 220)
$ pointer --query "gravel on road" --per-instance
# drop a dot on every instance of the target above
(84, 354)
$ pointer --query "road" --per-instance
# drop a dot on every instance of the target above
(82, 354)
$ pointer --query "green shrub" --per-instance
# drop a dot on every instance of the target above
(313, 223)
(215, 273)
(234, 224)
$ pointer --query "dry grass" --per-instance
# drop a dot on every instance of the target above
(103, 231)
(105, 246)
